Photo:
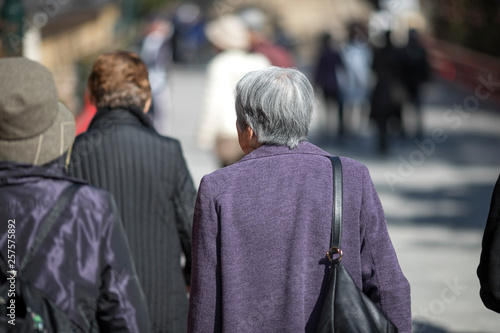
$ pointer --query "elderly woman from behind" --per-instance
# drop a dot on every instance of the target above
(262, 225)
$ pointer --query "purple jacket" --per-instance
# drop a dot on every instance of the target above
(261, 228)
(84, 265)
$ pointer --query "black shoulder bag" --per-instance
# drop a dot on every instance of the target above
(346, 308)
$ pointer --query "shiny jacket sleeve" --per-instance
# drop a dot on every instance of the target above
(121, 306)
(489, 264)
(383, 279)
(205, 280)
(184, 201)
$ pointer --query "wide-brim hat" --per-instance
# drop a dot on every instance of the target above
(228, 32)
(35, 128)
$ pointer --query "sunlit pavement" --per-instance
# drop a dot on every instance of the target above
(435, 191)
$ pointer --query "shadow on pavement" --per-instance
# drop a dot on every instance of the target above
(458, 148)
(472, 205)
(462, 149)
(422, 327)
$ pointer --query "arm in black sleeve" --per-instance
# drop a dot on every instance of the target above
(121, 306)
(489, 264)
(184, 201)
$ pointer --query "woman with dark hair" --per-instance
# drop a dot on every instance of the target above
(261, 225)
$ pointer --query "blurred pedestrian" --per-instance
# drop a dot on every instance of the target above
(83, 265)
(188, 39)
(156, 52)
(388, 96)
(489, 264)
(358, 56)
(415, 71)
(255, 21)
(148, 176)
(261, 225)
(329, 77)
(230, 37)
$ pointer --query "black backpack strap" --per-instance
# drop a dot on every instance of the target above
(336, 237)
(3, 268)
(49, 221)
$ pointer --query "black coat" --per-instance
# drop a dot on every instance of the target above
(489, 265)
(147, 174)
(326, 71)
(388, 94)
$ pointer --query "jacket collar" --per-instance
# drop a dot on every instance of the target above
(121, 115)
(17, 173)
(272, 150)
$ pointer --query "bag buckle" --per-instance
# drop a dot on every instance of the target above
(334, 254)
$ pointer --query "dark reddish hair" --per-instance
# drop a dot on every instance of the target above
(119, 79)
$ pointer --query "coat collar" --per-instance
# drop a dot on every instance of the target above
(18, 173)
(121, 115)
(273, 150)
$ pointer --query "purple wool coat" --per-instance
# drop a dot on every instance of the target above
(261, 228)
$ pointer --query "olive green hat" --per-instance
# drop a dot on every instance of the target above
(35, 128)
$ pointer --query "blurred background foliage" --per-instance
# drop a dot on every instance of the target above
(147, 6)
(469, 23)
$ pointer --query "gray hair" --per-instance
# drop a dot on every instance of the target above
(277, 103)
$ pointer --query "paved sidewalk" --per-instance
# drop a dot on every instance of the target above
(435, 192)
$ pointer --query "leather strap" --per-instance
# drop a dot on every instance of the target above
(335, 240)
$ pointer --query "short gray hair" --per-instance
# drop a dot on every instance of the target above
(277, 103)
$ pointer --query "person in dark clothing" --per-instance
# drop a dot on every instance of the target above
(84, 265)
(326, 78)
(146, 172)
(415, 71)
(388, 95)
(488, 270)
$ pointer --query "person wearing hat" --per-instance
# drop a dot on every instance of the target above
(147, 174)
(231, 39)
(84, 263)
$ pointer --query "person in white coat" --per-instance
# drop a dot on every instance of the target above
(217, 129)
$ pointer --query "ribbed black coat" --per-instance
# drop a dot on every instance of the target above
(147, 174)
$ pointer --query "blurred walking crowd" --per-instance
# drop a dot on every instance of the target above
(360, 81)
(361, 78)
(134, 247)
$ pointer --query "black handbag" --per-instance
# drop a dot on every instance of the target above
(346, 308)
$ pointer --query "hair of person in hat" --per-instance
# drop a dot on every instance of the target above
(35, 128)
(119, 79)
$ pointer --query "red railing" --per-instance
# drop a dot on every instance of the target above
(463, 66)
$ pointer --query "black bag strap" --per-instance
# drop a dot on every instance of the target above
(336, 237)
(3, 268)
(46, 225)
(49, 221)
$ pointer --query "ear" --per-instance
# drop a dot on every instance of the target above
(247, 139)
(254, 140)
